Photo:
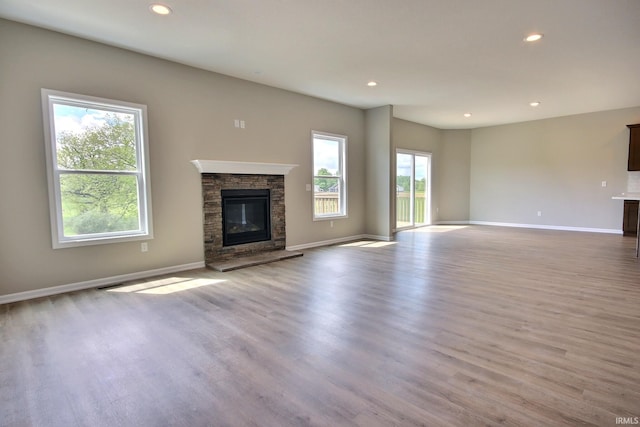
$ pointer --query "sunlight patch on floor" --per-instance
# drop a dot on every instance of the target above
(368, 244)
(165, 286)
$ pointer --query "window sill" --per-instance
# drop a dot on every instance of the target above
(329, 217)
(101, 241)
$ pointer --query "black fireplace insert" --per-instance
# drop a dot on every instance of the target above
(246, 216)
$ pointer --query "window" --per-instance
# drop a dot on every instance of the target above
(329, 176)
(97, 167)
(413, 189)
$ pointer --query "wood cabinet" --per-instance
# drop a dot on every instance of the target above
(634, 147)
(630, 218)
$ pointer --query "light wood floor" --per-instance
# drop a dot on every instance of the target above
(444, 327)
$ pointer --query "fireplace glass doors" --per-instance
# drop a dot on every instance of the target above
(246, 216)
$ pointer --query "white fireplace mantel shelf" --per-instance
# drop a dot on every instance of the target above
(252, 168)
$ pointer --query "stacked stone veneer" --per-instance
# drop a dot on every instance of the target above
(212, 185)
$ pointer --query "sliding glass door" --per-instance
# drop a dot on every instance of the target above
(413, 189)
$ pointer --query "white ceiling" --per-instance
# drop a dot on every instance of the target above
(433, 59)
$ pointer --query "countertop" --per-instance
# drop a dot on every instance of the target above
(627, 196)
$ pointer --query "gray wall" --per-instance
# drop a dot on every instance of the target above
(378, 123)
(555, 166)
(191, 114)
(454, 166)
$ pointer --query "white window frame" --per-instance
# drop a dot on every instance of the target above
(341, 175)
(139, 111)
(427, 194)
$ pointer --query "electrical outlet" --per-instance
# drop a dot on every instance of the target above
(539, 213)
(308, 187)
(331, 224)
(604, 183)
(144, 247)
(236, 123)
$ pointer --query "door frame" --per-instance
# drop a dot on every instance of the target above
(427, 190)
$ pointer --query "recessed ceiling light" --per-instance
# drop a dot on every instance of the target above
(533, 37)
(372, 83)
(467, 114)
(534, 103)
(160, 9)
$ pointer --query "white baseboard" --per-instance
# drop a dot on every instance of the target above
(96, 283)
(548, 227)
(338, 240)
(451, 223)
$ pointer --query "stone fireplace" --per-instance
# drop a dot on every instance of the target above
(243, 208)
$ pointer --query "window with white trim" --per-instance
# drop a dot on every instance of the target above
(329, 176)
(97, 169)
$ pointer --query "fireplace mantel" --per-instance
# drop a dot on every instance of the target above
(252, 168)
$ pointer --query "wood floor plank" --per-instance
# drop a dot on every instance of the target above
(445, 326)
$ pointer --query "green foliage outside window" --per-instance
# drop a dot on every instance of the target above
(324, 184)
(99, 202)
(404, 184)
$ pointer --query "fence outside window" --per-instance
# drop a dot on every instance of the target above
(403, 207)
(327, 203)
